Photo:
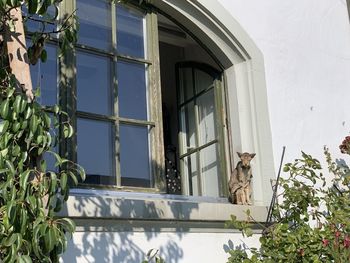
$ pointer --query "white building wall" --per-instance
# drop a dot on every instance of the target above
(306, 49)
(129, 247)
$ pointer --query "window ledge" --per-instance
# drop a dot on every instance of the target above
(100, 204)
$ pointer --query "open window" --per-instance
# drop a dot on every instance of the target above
(191, 84)
(147, 101)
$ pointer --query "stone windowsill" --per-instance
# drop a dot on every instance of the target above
(101, 204)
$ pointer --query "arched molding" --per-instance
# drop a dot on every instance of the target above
(243, 66)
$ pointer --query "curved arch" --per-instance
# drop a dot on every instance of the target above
(243, 65)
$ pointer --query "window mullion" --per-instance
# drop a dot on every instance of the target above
(67, 88)
(115, 95)
(196, 119)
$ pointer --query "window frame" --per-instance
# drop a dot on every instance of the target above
(68, 102)
(216, 87)
(68, 98)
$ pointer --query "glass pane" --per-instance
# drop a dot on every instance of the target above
(44, 75)
(130, 32)
(95, 28)
(186, 84)
(191, 172)
(206, 110)
(210, 171)
(93, 84)
(132, 90)
(188, 127)
(202, 80)
(95, 151)
(34, 25)
(134, 156)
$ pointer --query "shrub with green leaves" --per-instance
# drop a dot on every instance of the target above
(31, 191)
(311, 217)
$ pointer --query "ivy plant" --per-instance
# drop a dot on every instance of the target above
(311, 216)
(31, 190)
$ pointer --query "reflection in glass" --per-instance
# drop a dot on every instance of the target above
(132, 90)
(44, 75)
(130, 32)
(93, 84)
(34, 24)
(188, 127)
(202, 80)
(49, 157)
(191, 172)
(186, 84)
(95, 151)
(134, 156)
(206, 115)
(210, 171)
(95, 29)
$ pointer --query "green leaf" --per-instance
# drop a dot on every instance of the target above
(50, 239)
(10, 166)
(68, 224)
(43, 165)
(33, 124)
(58, 205)
(43, 56)
(16, 126)
(25, 259)
(28, 113)
(24, 179)
(67, 131)
(4, 108)
(74, 178)
(47, 120)
(11, 240)
(37, 92)
(63, 182)
(56, 109)
(17, 104)
(4, 126)
(53, 182)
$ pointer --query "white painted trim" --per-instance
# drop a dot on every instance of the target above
(246, 87)
(136, 206)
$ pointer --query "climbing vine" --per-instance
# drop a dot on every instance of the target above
(32, 191)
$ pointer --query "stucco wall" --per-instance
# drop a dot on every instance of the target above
(130, 247)
(306, 49)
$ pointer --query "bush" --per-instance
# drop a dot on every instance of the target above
(311, 216)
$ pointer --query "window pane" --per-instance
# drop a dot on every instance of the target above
(93, 84)
(210, 171)
(188, 127)
(134, 156)
(191, 172)
(95, 29)
(132, 90)
(206, 109)
(48, 157)
(33, 26)
(44, 75)
(130, 32)
(95, 152)
(186, 84)
(202, 80)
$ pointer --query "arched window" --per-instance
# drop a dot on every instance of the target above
(161, 95)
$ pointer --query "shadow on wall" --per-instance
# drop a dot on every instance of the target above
(117, 238)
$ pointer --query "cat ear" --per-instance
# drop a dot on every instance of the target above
(239, 154)
(252, 155)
